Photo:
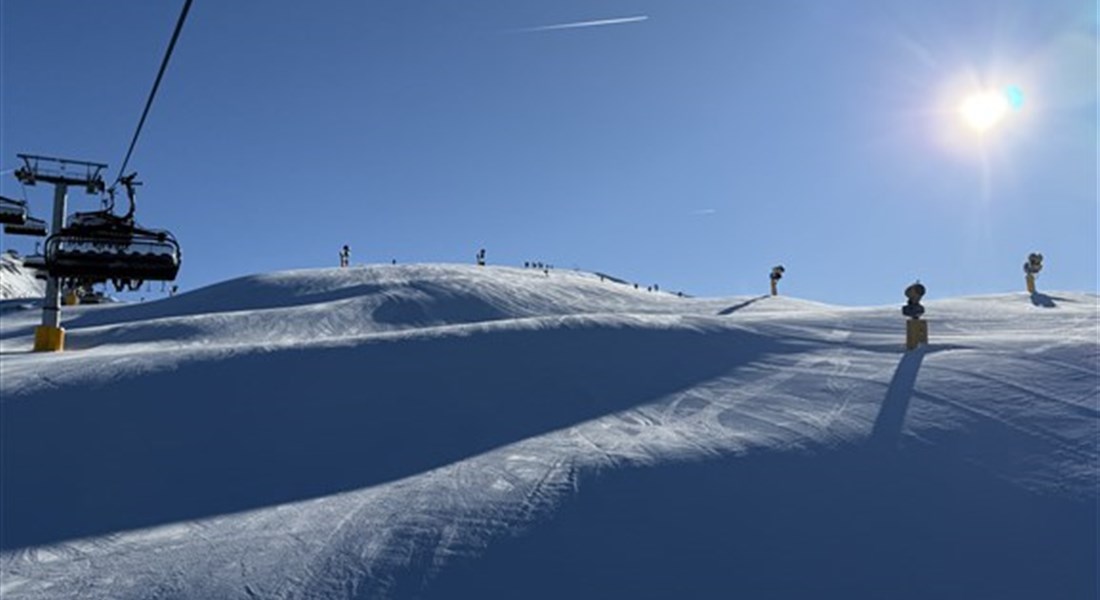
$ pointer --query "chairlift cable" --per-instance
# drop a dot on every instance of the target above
(156, 84)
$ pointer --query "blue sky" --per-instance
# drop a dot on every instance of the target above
(694, 148)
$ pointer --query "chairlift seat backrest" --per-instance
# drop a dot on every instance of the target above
(31, 226)
(138, 254)
(12, 212)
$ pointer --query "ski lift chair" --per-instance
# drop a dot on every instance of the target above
(126, 257)
(101, 245)
(12, 212)
(30, 226)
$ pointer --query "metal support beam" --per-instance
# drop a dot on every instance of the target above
(51, 308)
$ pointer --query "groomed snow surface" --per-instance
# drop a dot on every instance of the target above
(442, 431)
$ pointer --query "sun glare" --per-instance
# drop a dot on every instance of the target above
(983, 110)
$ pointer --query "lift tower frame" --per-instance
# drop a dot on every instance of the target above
(62, 173)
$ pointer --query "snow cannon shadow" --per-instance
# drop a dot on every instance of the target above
(1044, 301)
(891, 417)
(737, 307)
(211, 437)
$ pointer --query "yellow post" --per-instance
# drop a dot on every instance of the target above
(1030, 283)
(49, 339)
(916, 333)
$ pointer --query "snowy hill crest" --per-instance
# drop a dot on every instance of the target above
(455, 431)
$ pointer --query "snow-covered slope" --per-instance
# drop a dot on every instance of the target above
(451, 431)
(16, 281)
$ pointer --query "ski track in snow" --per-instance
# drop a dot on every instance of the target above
(996, 363)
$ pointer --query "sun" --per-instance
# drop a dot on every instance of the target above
(981, 111)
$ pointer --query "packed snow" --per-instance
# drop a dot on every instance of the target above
(447, 431)
(17, 281)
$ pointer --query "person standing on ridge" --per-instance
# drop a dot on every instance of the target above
(345, 256)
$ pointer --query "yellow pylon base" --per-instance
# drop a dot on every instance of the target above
(1030, 283)
(70, 299)
(49, 339)
(916, 333)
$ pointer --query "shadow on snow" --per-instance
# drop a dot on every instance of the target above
(891, 416)
(1044, 301)
(854, 523)
(219, 436)
(736, 307)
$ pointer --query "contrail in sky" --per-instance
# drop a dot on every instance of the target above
(596, 23)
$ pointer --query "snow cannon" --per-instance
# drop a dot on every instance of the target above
(916, 329)
(777, 274)
(1032, 267)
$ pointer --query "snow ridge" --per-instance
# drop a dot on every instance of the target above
(458, 431)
